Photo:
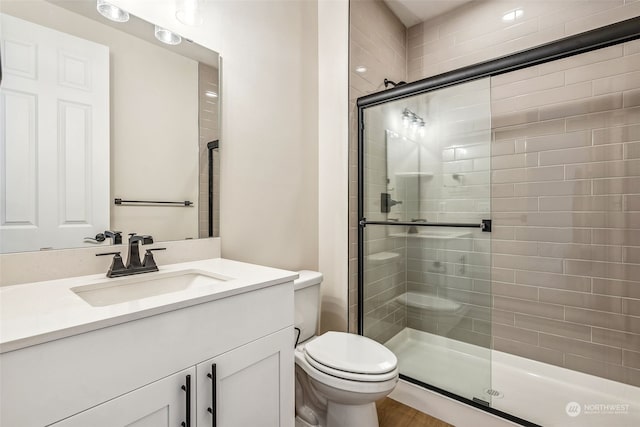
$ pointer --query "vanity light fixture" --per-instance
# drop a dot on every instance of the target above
(112, 12)
(406, 117)
(412, 120)
(166, 36)
(188, 13)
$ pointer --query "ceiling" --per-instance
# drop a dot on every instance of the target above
(412, 12)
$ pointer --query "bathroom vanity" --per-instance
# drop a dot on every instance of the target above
(212, 349)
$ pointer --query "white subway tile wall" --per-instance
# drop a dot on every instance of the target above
(477, 32)
(565, 185)
(577, 279)
(377, 42)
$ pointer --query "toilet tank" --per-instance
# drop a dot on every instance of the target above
(307, 303)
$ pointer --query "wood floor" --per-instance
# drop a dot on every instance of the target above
(394, 414)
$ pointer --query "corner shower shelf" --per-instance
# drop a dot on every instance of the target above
(414, 174)
(382, 257)
(428, 302)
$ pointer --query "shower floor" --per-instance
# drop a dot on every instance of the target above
(527, 389)
(451, 365)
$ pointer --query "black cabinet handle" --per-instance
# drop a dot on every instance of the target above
(187, 389)
(212, 408)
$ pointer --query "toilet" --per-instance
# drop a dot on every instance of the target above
(339, 376)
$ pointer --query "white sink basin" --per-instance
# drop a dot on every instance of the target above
(125, 289)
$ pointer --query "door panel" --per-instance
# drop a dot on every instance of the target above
(54, 140)
(159, 404)
(425, 269)
(254, 384)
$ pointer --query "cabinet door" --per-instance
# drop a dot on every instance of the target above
(159, 404)
(253, 385)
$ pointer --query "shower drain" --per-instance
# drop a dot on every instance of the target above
(494, 393)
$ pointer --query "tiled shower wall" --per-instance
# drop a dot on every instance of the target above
(565, 204)
(385, 257)
(551, 301)
(455, 263)
(476, 32)
(377, 40)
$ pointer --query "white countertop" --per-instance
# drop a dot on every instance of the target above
(34, 313)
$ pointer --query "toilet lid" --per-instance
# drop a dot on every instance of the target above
(351, 353)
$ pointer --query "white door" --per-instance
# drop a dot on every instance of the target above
(54, 137)
(159, 404)
(253, 384)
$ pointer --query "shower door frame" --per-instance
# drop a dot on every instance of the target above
(620, 32)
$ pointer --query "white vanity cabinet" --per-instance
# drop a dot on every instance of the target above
(131, 373)
(248, 382)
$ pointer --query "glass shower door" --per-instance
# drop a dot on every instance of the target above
(425, 260)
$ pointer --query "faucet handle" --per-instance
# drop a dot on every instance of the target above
(98, 239)
(116, 265)
(149, 262)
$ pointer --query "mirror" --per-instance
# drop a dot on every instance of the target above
(94, 112)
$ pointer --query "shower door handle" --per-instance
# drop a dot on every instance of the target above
(386, 202)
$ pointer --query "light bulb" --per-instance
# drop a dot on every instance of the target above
(166, 36)
(189, 13)
(111, 12)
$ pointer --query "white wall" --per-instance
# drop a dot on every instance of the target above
(269, 143)
(158, 161)
(333, 173)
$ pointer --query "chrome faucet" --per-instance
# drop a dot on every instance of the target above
(133, 266)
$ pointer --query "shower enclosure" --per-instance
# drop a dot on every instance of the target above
(426, 263)
(499, 230)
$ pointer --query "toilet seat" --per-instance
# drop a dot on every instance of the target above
(350, 376)
(351, 357)
(364, 387)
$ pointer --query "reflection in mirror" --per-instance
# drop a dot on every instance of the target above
(93, 111)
